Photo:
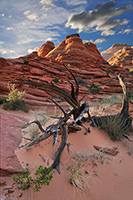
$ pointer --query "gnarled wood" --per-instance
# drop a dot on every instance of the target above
(122, 121)
(78, 112)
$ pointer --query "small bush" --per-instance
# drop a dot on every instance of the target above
(107, 71)
(113, 100)
(130, 96)
(94, 89)
(16, 105)
(56, 80)
(25, 181)
(81, 81)
(2, 101)
(15, 100)
(26, 62)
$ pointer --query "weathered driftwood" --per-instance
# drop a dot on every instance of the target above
(62, 126)
(78, 112)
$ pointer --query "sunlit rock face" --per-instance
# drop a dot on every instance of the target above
(123, 57)
(45, 49)
(119, 55)
(83, 59)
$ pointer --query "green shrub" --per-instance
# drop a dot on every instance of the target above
(16, 105)
(15, 100)
(2, 101)
(56, 80)
(26, 62)
(112, 100)
(130, 96)
(94, 89)
(107, 71)
(81, 81)
(25, 181)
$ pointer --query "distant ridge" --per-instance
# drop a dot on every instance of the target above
(119, 55)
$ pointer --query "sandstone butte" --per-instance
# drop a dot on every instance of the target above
(120, 55)
(84, 60)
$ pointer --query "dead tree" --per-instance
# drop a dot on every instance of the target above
(117, 125)
(78, 112)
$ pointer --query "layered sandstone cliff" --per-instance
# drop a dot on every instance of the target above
(119, 55)
(84, 60)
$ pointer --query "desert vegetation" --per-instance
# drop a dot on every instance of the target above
(15, 100)
(24, 180)
(116, 125)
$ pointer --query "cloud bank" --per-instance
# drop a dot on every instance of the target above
(100, 19)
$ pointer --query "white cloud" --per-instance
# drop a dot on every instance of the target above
(2, 15)
(127, 31)
(12, 51)
(47, 4)
(2, 26)
(1, 42)
(108, 32)
(75, 2)
(3, 52)
(27, 12)
(97, 41)
(101, 18)
(49, 39)
(31, 16)
(26, 25)
(32, 50)
(10, 28)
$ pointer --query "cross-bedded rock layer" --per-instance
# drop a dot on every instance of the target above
(84, 60)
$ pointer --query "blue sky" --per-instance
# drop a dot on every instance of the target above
(27, 24)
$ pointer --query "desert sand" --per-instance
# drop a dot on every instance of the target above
(103, 176)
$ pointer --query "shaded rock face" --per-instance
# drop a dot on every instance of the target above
(84, 60)
(10, 139)
(119, 55)
(45, 49)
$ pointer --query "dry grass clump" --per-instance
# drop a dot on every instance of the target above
(77, 175)
(115, 125)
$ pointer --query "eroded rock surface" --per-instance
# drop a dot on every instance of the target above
(10, 138)
(120, 55)
(84, 60)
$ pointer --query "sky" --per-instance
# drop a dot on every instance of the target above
(27, 24)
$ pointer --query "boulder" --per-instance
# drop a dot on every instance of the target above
(10, 139)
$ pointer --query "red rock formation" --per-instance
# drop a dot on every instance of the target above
(111, 151)
(45, 49)
(112, 50)
(119, 55)
(10, 139)
(123, 57)
(84, 60)
(72, 51)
